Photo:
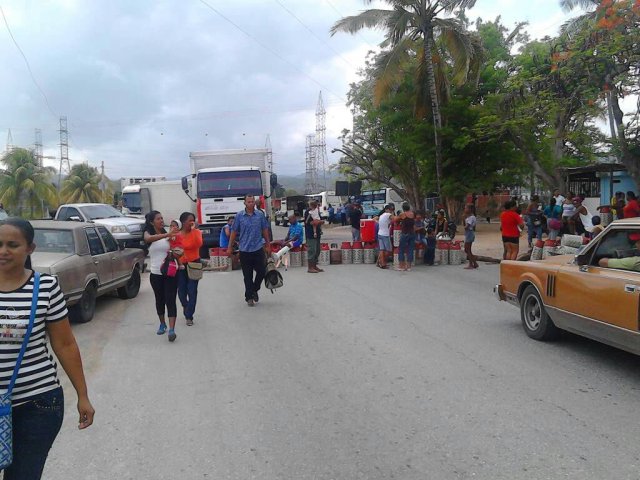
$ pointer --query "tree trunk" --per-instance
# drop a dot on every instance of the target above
(629, 159)
(435, 106)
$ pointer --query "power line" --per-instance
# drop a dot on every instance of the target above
(314, 34)
(33, 78)
(268, 49)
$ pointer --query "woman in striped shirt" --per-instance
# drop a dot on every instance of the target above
(38, 402)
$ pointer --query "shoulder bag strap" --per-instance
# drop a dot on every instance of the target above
(32, 317)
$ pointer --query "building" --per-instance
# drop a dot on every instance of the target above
(598, 183)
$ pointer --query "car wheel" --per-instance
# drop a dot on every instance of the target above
(83, 311)
(535, 320)
(131, 289)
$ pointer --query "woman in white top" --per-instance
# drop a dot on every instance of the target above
(568, 211)
(165, 287)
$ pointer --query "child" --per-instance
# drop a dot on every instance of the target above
(430, 252)
(175, 241)
(597, 226)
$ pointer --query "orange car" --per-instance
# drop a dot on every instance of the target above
(594, 294)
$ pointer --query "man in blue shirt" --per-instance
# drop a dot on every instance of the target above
(225, 233)
(295, 235)
(252, 229)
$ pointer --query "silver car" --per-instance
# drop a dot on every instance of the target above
(87, 261)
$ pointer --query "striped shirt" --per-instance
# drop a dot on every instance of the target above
(38, 371)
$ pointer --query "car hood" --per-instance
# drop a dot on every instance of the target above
(43, 261)
(557, 259)
(126, 221)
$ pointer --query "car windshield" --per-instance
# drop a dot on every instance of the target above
(54, 241)
(98, 211)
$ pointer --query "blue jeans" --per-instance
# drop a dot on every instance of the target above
(187, 293)
(355, 234)
(533, 230)
(407, 244)
(35, 426)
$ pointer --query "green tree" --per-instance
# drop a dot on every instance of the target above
(25, 187)
(83, 185)
(415, 29)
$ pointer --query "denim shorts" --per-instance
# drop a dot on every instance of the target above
(384, 243)
(36, 424)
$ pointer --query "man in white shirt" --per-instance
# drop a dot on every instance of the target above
(558, 196)
(384, 236)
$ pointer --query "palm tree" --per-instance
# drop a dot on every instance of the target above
(24, 183)
(414, 28)
(82, 185)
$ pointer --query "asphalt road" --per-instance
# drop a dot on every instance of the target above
(357, 373)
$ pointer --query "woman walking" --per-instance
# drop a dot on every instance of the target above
(534, 220)
(470, 236)
(188, 287)
(165, 286)
(510, 225)
(407, 221)
(37, 397)
(553, 213)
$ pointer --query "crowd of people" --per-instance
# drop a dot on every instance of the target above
(563, 214)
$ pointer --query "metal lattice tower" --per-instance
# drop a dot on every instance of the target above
(311, 178)
(9, 141)
(64, 150)
(321, 141)
(267, 145)
(37, 152)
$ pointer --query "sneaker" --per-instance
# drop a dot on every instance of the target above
(251, 303)
(256, 298)
(162, 329)
(189, 322)
(172, 335)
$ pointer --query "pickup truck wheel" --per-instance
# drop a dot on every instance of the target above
(83, 311)
(535, 320)
(131, 289)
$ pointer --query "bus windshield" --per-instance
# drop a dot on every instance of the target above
(373, 196)
(229, 184)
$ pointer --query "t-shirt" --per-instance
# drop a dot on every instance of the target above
(355, 217)
(295, 231)
(631, 209)
(470, 223)
(559, 199)
(38, 371)
(157, 253)
(629, 263)
(250, 229)
(554, 212)
(384, 222)
(225, 233)
(568, 209)
(509, 221)
(191, 242)
(310, 230)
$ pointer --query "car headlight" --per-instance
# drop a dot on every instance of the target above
(118, 229)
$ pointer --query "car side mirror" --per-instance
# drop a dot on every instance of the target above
(582, 257)
(185, 184)
(121, 246)
(75, 218)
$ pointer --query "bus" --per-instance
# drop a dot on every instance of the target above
(326, 199)
(373, 201)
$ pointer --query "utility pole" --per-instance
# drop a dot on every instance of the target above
(267, 145)
(9, 141)
(38, 147)
(321, 141)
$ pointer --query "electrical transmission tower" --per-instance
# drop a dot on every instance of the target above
(64, 150)
(311, 178)
(267, 145)
(37, 152)
(317, 152)
(9, 141)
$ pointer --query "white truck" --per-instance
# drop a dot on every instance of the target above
(166, 197)
(218, 183)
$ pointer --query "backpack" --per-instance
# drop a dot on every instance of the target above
(272, 278)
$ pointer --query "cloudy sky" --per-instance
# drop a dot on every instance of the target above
(144, 82)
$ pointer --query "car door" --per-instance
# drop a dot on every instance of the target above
(101, 259)
(608, 295)
(120, 268)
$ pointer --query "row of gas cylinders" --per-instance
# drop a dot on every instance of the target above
(567, 245)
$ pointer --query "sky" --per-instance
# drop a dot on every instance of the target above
(144, 82)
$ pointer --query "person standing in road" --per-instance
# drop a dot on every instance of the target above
(187, 287)
(37, 398)
(407, 245)
(511, 225)
(225, 234)
(313, 232)
(165, 287)
(632, 208)
(252, 229)
(343, 214)
(469, 236)
(384, 236)
(354, 217)
(332, 214)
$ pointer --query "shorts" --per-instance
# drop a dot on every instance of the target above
(469, 237)
(384, 243)
(515, 240)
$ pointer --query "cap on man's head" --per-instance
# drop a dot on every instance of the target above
(634, 236)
